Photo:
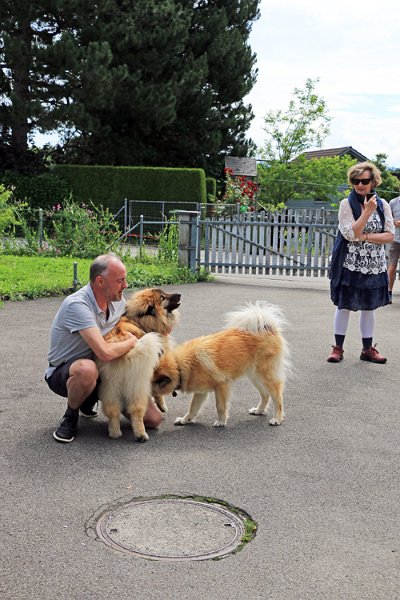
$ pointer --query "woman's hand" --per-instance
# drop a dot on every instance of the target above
(370, 205)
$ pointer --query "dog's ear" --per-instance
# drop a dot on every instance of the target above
(150, 311)
(162, 381)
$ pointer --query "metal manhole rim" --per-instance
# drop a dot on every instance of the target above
(235, 515)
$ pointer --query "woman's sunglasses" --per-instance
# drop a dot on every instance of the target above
(356, 181)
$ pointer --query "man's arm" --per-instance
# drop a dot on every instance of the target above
(104, 350)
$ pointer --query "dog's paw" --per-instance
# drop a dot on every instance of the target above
(142, 438)
(181, 421)
(219, 423)
(115, 434)
(274, 421)
(255, 411)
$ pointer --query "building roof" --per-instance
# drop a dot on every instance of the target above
(330, 152)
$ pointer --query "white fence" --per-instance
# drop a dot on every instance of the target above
(297, 242)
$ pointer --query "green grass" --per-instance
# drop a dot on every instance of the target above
(24, 277)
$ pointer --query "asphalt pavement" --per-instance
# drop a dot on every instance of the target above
(323, 487)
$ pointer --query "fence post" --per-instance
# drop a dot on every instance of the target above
(75, 282)
(188, 237)
(126, 216)
(40, 228)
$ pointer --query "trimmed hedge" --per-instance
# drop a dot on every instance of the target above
(39, 191)
(110, 185)
(211, 185)
(88, 183)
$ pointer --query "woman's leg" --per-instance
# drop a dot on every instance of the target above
(367, 326)
(340, 324)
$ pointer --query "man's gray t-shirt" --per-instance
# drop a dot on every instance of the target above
(77, 312)
(395, 208)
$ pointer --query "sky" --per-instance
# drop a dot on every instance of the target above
(353, 48)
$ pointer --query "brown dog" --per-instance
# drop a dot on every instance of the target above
(252, 345)
(126, 382)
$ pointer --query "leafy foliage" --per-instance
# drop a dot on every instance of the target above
(323, 179)
(305, 124)
(71, 229)
(150, 82)
(8, 217)
(390, 186)
(168, 242)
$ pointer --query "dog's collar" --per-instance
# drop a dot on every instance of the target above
(179, 386)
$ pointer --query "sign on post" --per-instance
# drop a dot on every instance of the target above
(241, 166)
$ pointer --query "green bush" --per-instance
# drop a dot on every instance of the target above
(211, 186)
(40, 191)
(8, 216)
(70, 230)
(168, 242)
(82, 231)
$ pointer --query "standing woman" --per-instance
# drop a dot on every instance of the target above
(359, 279)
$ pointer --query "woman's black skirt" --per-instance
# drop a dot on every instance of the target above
(356, 291)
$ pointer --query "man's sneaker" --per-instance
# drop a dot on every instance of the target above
(372, 355)
(390, 297)
(86, 409)
(67, 429)
(336, 355)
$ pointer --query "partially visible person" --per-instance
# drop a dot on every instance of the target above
(394, 248)
(76, 338)
(359, 279)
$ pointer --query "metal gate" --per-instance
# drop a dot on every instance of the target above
(291, 243)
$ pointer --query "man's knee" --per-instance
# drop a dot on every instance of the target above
(153, 416)
(84, 370)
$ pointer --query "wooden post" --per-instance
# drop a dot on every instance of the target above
(188, 238)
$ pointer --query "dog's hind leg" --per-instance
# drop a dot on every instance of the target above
(222, 396)
(267, 389)
(196, 403)
(112, 412)
(111, 408)
(136, 411)
(276, 392)
(262, 407)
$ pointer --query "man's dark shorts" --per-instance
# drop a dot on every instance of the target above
(57, 381)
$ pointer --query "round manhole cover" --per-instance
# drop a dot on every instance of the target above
(174, 528)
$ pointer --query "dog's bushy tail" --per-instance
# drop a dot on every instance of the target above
(257, 317)
(262, 318)
(148, 349)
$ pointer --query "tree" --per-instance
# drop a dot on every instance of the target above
(390, 186)
(305, 124)
(323, 179)
(156, 82)
(188, 66)
(41, 62)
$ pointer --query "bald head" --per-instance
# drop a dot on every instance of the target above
(108, 279)
(101, 265)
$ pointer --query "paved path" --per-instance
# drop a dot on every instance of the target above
(324, 487)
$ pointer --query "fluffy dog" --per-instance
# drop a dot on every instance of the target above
(126, 382)
(252, 345)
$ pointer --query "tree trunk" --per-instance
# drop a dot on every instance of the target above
(20, 98)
